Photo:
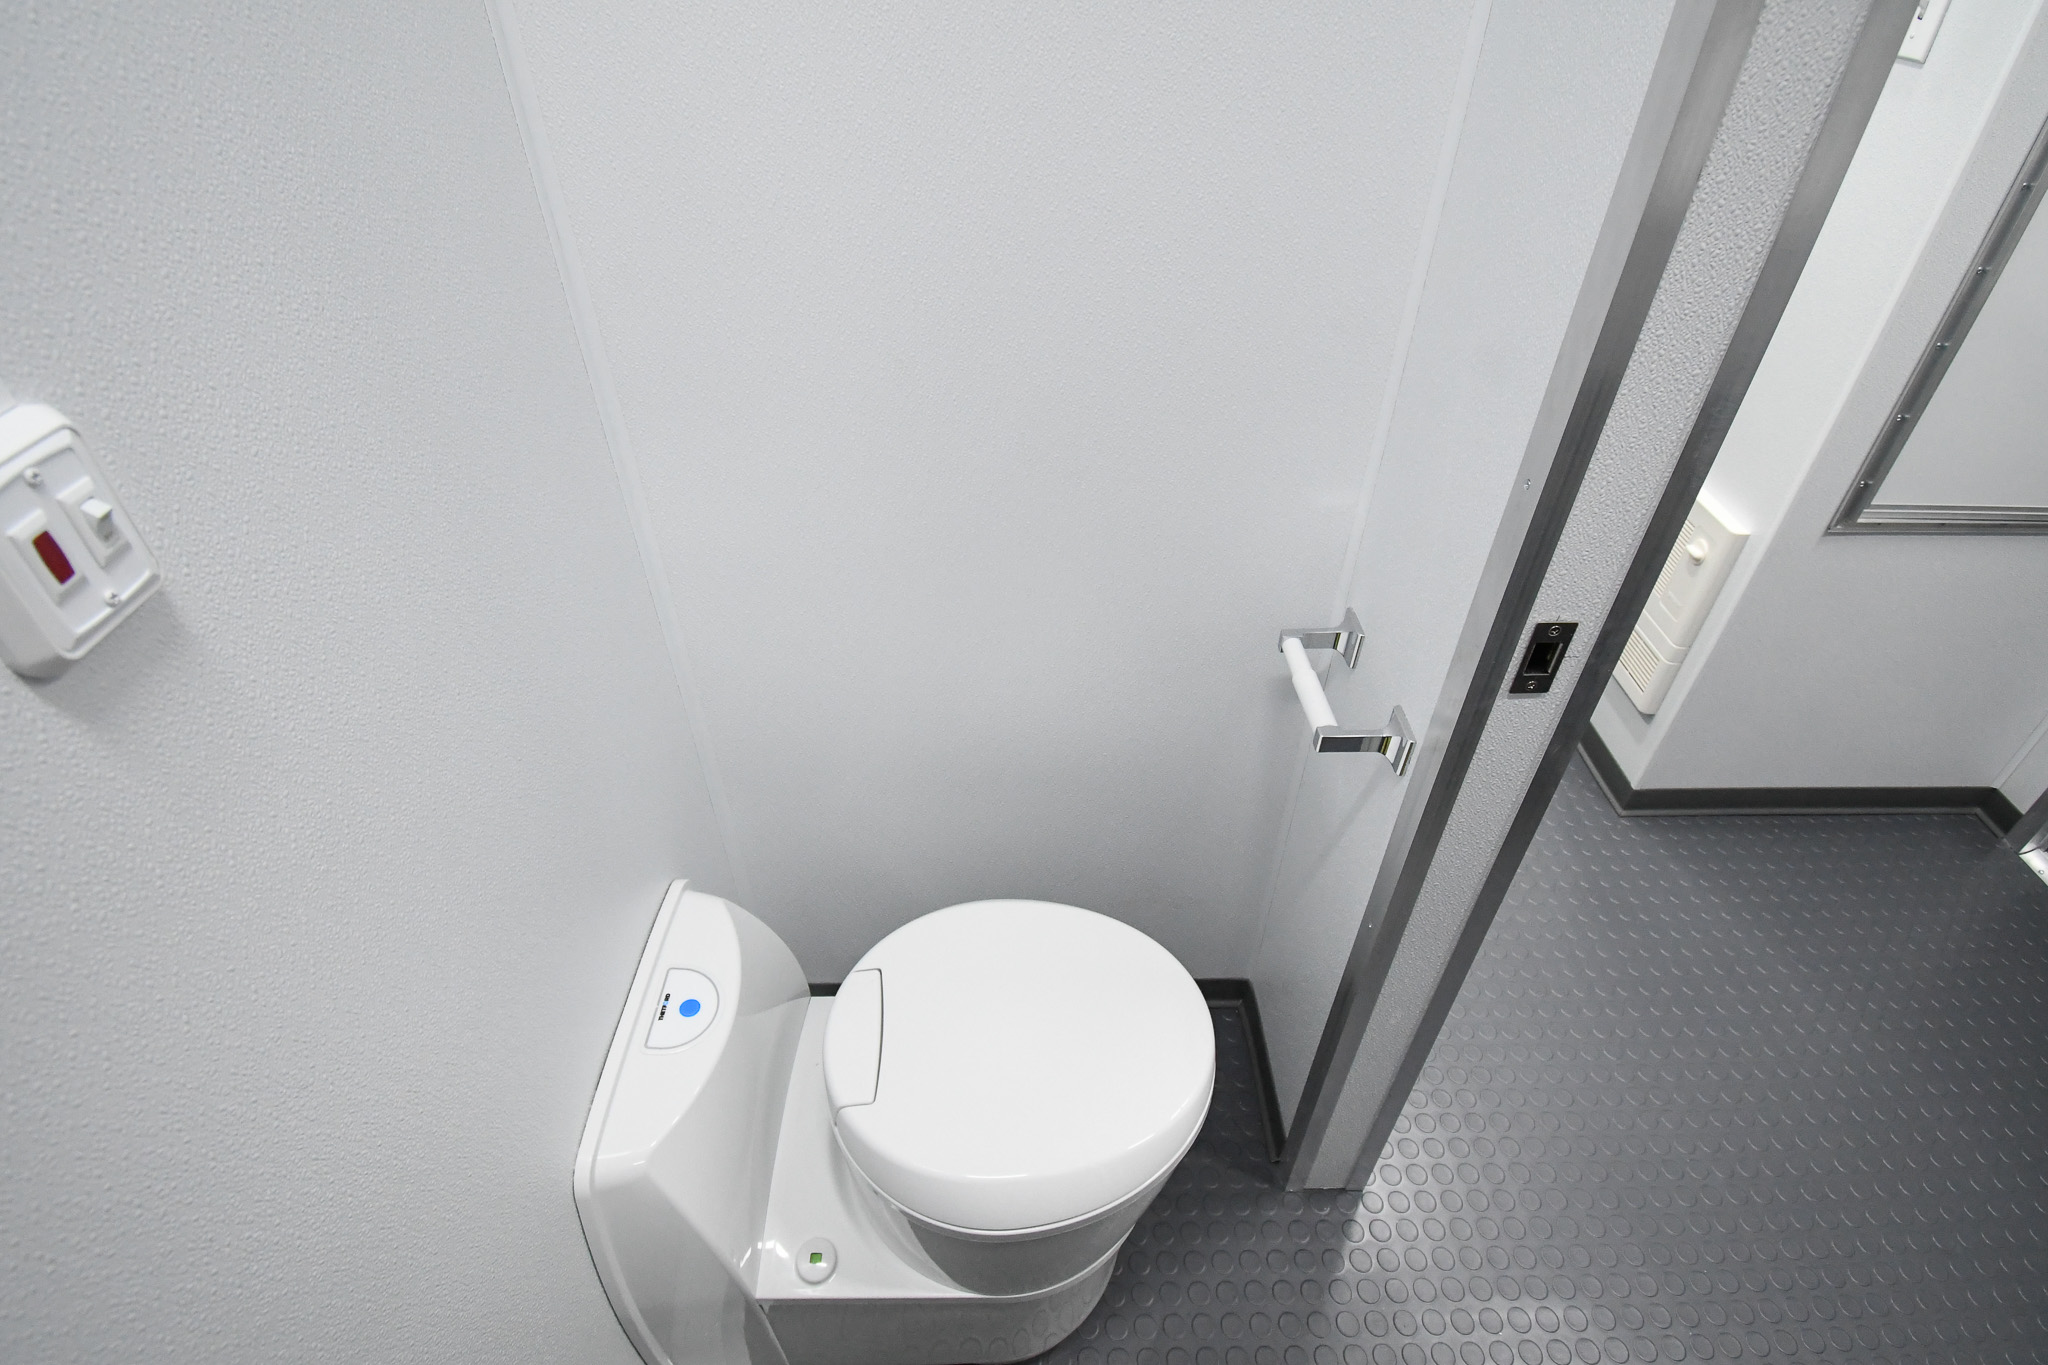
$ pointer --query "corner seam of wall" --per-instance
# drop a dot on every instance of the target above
(611, 417)
(2019, 759)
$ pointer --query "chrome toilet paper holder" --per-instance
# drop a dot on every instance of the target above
(1395, 743)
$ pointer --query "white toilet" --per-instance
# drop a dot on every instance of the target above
(934, 1167)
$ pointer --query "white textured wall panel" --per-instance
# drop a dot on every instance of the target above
(323, 876)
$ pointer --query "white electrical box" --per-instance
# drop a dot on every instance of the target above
(73, 566)
(1693, 575)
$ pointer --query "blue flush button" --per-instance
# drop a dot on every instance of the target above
(682, 1009)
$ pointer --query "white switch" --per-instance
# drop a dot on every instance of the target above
(78, 568)
(99, 517)
(94, 517)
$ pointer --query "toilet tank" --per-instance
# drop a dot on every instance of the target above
(673, 1171)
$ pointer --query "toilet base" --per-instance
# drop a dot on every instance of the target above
(887, 1302)
(1009, 1265)
(977, 1330)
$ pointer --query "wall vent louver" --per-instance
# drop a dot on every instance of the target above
(1639, 662)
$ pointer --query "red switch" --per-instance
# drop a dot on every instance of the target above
(53, 557)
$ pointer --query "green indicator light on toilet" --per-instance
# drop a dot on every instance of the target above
(815, 1261)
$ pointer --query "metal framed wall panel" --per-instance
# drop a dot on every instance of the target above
(1862, 512)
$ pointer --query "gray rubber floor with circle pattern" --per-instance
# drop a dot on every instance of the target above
(1717, 1088)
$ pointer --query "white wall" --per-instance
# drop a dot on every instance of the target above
(324, 874)
(1553, 103)
(1001, 386)
(1868, 660)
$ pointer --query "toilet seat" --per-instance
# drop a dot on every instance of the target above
(1009, 1067)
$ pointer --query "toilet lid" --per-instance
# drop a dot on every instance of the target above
(1017, 1064)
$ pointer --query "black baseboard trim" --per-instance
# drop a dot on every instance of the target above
(1217, 990)
(1988, 804)
(1235, 990)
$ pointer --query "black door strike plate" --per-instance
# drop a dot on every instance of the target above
(1542, 656)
